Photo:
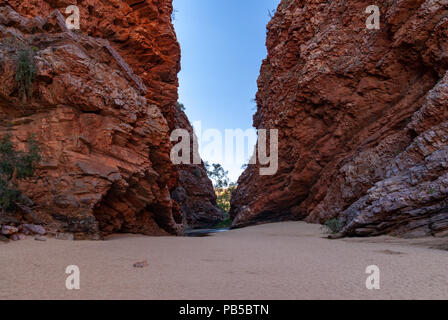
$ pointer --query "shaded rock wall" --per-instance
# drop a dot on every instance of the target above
(102, 110)
(195, 193)
(362, 118)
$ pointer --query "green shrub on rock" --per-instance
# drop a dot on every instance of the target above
(15, 165)
(334, 225)
(25, 73)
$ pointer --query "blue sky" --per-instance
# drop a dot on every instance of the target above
(223, 45)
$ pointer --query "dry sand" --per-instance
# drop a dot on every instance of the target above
(276, 261)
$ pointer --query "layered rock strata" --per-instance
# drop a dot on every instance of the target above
(102, 110)
(362, 118)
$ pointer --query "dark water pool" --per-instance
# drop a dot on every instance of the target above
(204, 232)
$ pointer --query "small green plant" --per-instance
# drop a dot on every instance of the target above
(15, 165)
(180, 106)
(334, 225)
(224, 224)
(26, 72)
(8, 196)
(173, 14)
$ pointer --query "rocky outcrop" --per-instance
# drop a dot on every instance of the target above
(195, 193)
(362, 116)
(102, 110)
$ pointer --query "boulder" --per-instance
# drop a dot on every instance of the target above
(9, 230)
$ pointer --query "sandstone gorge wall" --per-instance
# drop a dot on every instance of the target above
(195, 193)
(362, 117)
(102, 110)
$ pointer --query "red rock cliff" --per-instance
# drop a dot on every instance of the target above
(362, 117)
(195, 193)
(102, 110)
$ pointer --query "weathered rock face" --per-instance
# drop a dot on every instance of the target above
(362, 117)
(195, 193)
(102, 110)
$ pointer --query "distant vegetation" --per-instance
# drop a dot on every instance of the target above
(226, 223)
(218, 175)
(224, 196)
(15, 165)
(223, 189)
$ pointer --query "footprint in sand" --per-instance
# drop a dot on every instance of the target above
(391, 252)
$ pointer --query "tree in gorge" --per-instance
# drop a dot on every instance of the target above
(223, 189)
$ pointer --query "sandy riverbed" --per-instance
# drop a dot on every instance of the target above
(276, 261)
